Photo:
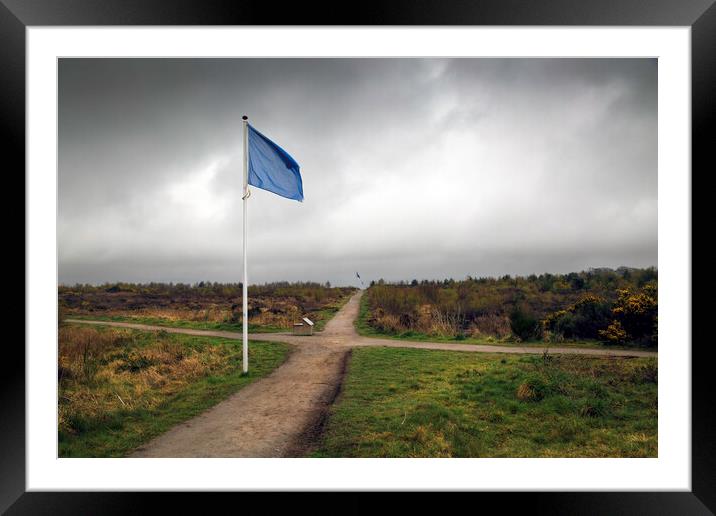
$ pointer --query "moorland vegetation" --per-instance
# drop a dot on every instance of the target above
(616, 307)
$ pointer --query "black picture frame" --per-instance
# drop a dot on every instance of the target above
(700, 15)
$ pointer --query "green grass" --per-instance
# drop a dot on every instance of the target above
(424, 403)
(365, 329)
(116, 432)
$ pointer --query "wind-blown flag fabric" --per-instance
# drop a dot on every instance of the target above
(272, 168)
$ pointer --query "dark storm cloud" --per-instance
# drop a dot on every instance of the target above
(411, 167)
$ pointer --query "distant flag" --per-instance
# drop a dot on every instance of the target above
(358, 275)
(269, 167)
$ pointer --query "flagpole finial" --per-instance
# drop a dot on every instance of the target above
(244, 117)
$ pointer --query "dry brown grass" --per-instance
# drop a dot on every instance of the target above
(103, 370)
(491, 325)
(282, 316)
(208, 314)
(525, 392)
(428, 320)
(270, 306)
(440, 324)
(426, 437)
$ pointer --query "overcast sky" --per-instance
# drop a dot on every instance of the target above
(412, 168)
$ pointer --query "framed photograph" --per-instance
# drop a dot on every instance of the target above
(414, 250)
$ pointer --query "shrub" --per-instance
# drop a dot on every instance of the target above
(444, 324)
(571, 306)
(523, 324)
(408, 319)
(635, 317)
(386, 323)
(492, 324)
(637, 313)
(582, 320)
(614, 334)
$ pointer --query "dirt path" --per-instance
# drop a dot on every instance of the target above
(265, 418)
(273, 416)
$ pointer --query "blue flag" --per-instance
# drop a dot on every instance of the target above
(271, 168)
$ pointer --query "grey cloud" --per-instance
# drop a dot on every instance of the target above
(411, 167)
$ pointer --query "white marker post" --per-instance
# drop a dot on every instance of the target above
(245, 292)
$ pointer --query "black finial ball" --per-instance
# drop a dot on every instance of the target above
(244, 117)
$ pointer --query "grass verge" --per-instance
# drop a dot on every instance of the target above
(119, 388)
(425, 403)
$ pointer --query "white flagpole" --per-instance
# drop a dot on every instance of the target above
(245, 292)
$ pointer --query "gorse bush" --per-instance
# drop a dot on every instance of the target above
(635, 317)
(582, 320)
